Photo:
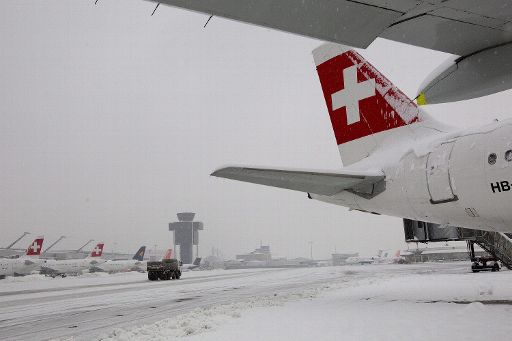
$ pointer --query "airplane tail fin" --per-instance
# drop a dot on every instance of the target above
(34, 249)
(168, 254)
(139, 255)
(364, 106)
(97, 251)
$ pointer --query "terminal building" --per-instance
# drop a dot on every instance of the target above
(261, 254)
(262, 258)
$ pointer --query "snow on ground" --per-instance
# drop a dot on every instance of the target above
(381, 302)
(41, 282)
(204, 319)
(441, 301)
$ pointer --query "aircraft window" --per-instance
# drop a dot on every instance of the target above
(508, 155)
(492, 159)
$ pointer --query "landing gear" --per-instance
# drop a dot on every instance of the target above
(163, 275)
(482, 263)
(152, 276)
(485, 264)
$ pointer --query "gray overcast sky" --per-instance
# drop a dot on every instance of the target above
(112, 120)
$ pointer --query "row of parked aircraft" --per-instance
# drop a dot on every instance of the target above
(31, 261)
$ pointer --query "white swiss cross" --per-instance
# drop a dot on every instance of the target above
(352, 93)
(96, 250)
(35, 247)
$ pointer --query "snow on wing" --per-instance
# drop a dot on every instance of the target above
(361, 23)
(303, 181)
(457, 27)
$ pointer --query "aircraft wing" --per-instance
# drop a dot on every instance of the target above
(459, 27)
(349, 22)
(306, 181)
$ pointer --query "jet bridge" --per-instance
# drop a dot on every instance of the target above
(497, 244)
(17, 240)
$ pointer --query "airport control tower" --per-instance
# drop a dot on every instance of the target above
(186, 235)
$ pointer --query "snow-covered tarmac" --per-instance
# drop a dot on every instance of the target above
(376, 302)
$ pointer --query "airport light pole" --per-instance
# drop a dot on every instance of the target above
(310, 249)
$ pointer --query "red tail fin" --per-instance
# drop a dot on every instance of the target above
(168, 254)
(97, 251)
(34, 249)
(360, 100)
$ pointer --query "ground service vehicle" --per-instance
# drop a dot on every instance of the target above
(485, 264)
(165, 269)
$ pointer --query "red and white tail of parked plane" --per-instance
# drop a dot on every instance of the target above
(75, 266)
(34, 249)
(97, 251)
(25, 264)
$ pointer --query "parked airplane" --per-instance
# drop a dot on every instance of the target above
(23, 265)
(119, 265)
(194, 265)
(478, 32)
(64, 267)
(398, 160)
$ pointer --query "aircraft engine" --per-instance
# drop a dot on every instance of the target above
(479, 74)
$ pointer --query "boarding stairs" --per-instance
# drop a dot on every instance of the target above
(497, 244)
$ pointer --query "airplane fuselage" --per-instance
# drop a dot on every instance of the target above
(19, 266)
(456, 178)
(121, 265)
(70, 266)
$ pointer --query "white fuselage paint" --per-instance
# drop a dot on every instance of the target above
(72, 266)
(122, 265)
(20, 266)
(443, 178)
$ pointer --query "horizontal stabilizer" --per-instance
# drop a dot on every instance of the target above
(306, 181)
